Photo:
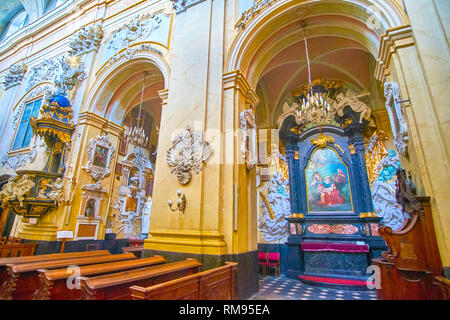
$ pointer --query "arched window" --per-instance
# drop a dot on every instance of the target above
(17, 23)
(25, 132)
(51, 4)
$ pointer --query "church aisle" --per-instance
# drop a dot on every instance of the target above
(282, 288)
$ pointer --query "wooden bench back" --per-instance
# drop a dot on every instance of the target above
(53, 256)
(53, 283)
(116, 286)
(95, 269)
(34, 266)
(17, 249)
(214, 284)
(22, 280)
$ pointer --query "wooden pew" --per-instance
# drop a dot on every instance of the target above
(23, 279)
(116, 286)
(17, 249)
(53, 283)
(46, 257)
(214, 284)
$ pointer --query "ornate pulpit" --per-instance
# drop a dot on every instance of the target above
(32, 193)
(333, 231)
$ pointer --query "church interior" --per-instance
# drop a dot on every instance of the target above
(224, 150)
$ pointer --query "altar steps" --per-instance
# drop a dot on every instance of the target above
(337, 283)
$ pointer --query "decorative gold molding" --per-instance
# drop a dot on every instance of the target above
(297, 215)
(164, 95)
(93, 119)
(368, 215)
(393, 39)
(322, 140)
(236, 80)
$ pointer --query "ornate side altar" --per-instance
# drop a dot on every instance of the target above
(333, 230)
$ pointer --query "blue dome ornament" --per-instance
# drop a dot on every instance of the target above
(61, 100)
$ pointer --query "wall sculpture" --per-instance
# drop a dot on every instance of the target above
(398, 123)
(248, 131)
(138, 27)
(187, 154)
(57, 71)
(86, 40)
(137, 173)
(14, 75)
(276, 207)
(383, 194)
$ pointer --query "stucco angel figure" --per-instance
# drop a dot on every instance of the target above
(22, 187)
(351, 99)
(56, 192)
(275, 194)
(8, 190)
(383, 194)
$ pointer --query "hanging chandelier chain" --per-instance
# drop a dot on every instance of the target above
(307, 58)
(314, 107)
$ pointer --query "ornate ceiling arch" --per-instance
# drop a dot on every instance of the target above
(118, 85)
(265, 25)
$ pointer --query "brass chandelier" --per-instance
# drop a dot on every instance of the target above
(137, 135)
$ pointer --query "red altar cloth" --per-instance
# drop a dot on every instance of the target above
(337, 247)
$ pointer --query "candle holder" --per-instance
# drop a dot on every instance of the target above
(181, 202)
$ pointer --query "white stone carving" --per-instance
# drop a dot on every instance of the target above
(129, 53)
(182, 5)
(18, 160)
(139, 27)
(58, 71)
(129, 219)
(17, 189)
(257, 6)
(276, 207)
(287, 111)
(56, 190)
(351, 99)
(14, 75)
(187, 153)
(383, 193)
(86, 40)
(100, 151)
(398, 123)
(248, 143)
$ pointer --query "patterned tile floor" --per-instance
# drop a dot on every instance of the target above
(282, 288)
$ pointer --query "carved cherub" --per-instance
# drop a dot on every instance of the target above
(351, 99)
(57, 190)
(22, 187)
(8, 190)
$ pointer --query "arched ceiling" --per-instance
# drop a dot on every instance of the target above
(124, 92)
(341, 46)
(8, 9)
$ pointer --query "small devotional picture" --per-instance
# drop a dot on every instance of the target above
(327, 183)
(100, 156)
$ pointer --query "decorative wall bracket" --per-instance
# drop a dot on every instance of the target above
(181, 202)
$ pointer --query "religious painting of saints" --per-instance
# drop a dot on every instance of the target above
(327, 183)
(100, 156)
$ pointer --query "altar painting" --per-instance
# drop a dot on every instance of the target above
(100, 156)
(328, 189)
